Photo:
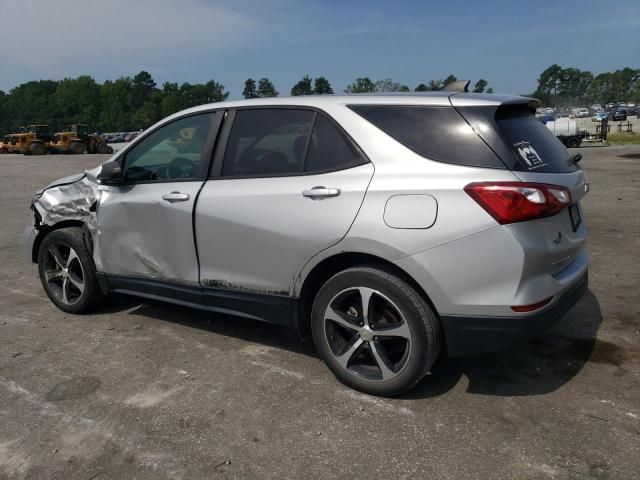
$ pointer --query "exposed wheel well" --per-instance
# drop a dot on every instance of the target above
(332, 265)
(46, 229)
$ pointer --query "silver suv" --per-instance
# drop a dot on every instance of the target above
(391, 228)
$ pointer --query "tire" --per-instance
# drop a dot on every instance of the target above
(60, 278)
(37, 149)
(573, 142)
(3, 151)
(401, 328)
(102, 148)
(77, 148)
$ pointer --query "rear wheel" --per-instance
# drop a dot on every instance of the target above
(77, 148)
(374, 331)
(3, 151)
(67, 271)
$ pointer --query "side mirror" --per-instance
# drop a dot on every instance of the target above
(111, 173)
(577, 157)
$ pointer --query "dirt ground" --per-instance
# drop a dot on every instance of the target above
(152, 391)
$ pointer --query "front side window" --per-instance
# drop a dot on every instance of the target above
(267, 142)
(173, 152)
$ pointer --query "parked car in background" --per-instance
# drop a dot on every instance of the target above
(131, 136)
(272, 209)
(599, 116)
(620, 114)
(580, 112)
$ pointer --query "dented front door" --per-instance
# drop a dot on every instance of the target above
(145, 226)
(146, 230)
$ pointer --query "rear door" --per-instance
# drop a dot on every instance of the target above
(288, 184)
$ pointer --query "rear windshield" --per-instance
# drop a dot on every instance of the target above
(437, 133)
(522, 142)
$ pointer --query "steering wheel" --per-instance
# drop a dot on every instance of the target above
(180, 167)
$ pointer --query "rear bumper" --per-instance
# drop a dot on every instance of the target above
(467, 336)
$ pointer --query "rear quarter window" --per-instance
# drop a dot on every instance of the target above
(522, 142)
(437, 133)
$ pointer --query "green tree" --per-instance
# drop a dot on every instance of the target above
(548, 82)
(143, 86)
(172, 99)
(389, 85)
(361, 85)
(435, 85)
(489, 90)
(303, 87)
(321, 86)
(480, 86)
(421, 88)
(116, 112)
(266, 88)
(77, 100)
(250, 89)
(449, 79)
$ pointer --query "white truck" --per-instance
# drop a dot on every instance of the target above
(580, 112)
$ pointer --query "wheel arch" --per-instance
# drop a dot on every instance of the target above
(47, 229)
(329, 266)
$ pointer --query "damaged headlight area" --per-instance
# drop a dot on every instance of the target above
(68, 199)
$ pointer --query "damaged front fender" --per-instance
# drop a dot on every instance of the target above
(72, 198)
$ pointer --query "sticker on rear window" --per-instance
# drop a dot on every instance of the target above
(529, 155)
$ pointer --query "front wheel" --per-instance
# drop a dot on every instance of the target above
(374, 331)
(67, 271)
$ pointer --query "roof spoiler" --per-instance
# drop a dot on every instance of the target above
(457, 86)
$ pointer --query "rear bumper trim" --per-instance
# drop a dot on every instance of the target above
(468, 336)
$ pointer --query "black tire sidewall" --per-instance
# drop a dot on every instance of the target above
(418, 315)
(71, 237)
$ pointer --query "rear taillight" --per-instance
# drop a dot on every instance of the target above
(511, 202)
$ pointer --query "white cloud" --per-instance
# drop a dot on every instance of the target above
(69, 37)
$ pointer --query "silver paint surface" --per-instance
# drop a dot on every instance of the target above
(262, 235)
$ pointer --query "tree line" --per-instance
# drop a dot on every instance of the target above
(119, 105)
(558, 86)
(133, 103)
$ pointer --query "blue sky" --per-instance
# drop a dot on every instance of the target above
(506, 42)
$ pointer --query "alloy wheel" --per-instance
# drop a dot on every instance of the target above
(367, 334)
(64, 274)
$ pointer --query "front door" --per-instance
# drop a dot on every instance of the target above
(290, 185)
(145, 225)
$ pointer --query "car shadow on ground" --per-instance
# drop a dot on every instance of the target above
(539, 366)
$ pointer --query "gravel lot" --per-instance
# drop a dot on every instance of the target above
(152, 391)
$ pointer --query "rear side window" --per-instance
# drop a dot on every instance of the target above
(437, 133)
(329, 150)
(535, 147)
(267, 142)
(522, 142)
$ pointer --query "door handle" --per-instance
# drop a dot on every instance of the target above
(321, 192)
(175, 197)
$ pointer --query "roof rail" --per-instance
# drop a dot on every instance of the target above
(457, 86)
